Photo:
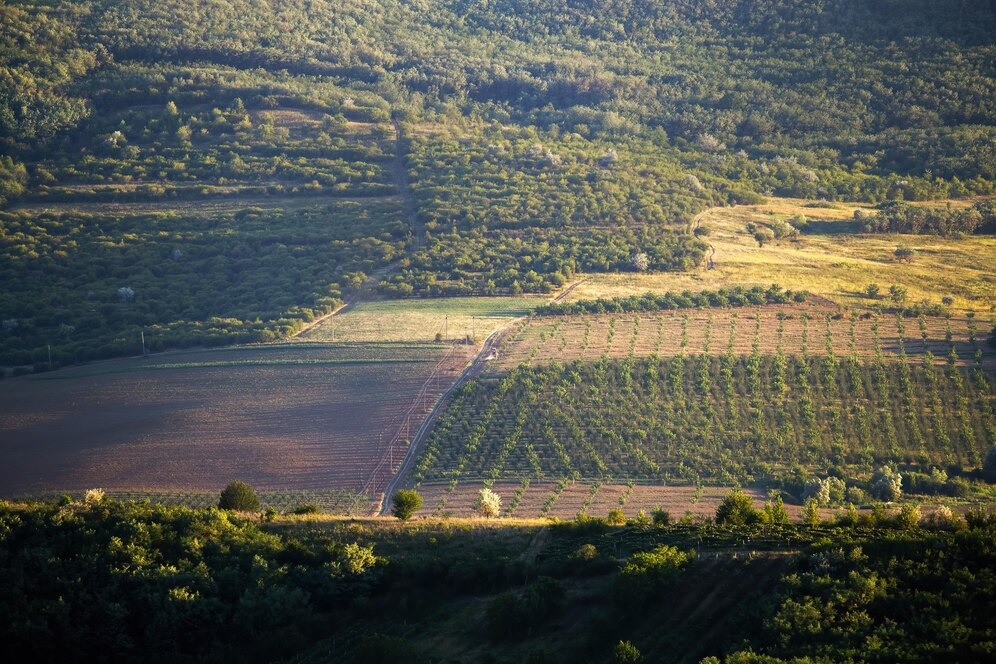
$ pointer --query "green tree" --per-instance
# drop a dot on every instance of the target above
(886, 484)
(909, 516)
(238, 496)
(406, 502)
(626, 653)
(774, 511)
(737, 509)
(811, 512)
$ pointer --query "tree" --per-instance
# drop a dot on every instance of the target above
(406, 502)
(886, 484)
(737, 509)
(616, 518)
(775, 512)
(641, 262)
(488, 504)
(872, 291)
(909, 516)
(818, 490)
(811, 512)
(626, 653)
(905, 253)
(238, 496)
(897, 293)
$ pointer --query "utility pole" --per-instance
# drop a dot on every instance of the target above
(49, 357)
(473, 335)
(446, 327)
(144, 353)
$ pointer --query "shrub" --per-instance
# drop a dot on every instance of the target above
(811, 513)
(737, 509)
(626, 653)
(309, 508)
(661, 517)
(886, 484)
(406, 502)
(909, 516)
(238, 496)
(616, 518)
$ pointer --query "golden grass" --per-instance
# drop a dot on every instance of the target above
(835, 266)
(420, 320)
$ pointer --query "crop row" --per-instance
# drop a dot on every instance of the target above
(721, 418)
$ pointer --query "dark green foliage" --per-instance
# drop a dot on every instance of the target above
(899, 217)
(989, 464)
(159, 583)
(847, 594)
(511, 614)
(118, 582)
(405, 503)
(734, 296)
(308, 508)
(239, 496)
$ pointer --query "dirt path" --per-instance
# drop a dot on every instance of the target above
(567, 291)
(473, 370)
(403, 185)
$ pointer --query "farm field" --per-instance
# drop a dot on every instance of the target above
(721, 419)
(823, 260)
(419, 320)
(797, 329)
(569, 499)
(301, 417)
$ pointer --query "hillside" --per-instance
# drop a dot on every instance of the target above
(215, 172)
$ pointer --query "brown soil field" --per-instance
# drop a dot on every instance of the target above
(804, 329)
(285, 417)
(678, 500)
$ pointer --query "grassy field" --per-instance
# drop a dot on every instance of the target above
(829, 263)
(299, 417)
(419, 320)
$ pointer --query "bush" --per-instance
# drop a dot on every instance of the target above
(406, 502)
(626, 653)
(616, 518)
(886, 484)
(661, 517)
(309, 508)
(238, 496)
(737, 509)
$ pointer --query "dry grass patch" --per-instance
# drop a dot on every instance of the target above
(455, 318)
(837, 266)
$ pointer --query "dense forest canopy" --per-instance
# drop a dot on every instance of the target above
(514, 139)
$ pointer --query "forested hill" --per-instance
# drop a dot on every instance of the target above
(448, 147)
